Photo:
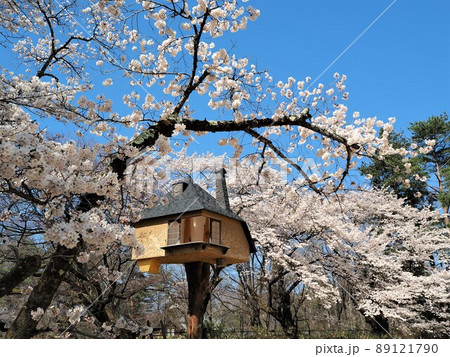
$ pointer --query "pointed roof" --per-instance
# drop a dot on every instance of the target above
(193, 198)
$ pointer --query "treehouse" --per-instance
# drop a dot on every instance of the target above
(193, 227)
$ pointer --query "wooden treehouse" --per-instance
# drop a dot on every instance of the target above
(193, 227)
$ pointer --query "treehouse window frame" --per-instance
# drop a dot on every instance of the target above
(212, 236)
(173, 225)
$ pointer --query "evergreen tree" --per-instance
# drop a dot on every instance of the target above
(407, 180)
(392, 174)
(436, 161)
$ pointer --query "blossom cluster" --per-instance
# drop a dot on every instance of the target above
(392, 254)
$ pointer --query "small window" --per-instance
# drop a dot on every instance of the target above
(173, 235)
(214, 235)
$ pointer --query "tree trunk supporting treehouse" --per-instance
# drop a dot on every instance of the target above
(197, 275)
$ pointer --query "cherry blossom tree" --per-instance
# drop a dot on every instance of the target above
(73, 58)
(393, 255)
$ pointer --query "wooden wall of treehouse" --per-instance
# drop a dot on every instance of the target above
(203, 226)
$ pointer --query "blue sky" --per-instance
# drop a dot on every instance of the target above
(399, 67)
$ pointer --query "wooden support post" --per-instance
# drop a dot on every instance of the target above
(197, 275)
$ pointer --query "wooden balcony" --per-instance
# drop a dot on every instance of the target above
(209, 250)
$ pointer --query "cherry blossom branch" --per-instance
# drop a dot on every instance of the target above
(270, 144)
(166, 128)
(191, 85)
(53, 50)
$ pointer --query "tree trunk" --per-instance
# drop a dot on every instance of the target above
(286, 319)
(197, 275)
(24, 268)
(446, 218)
(52, 277)
(42, 295)
(378, 323)
(445, 208)
(279, 301)
(255, 312)
(163, 329)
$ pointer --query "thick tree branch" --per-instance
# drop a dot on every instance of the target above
(54, 274)
(25, 267)
(166, 127)
(42, 295)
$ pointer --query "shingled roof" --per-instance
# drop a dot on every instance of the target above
(193, 198)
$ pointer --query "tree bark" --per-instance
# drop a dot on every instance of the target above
(52, 277)
(24, 268)
(166, 128)
(287, 321)
(42, 295)
(445, 208)
(378, 323)
(197, 275)
(283, 312)
(280, 303)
